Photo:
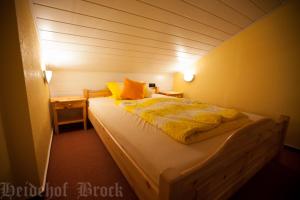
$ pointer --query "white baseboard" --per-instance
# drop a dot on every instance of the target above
(42, 188)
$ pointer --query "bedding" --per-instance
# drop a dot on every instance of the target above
(116, 89)
(181, 119)
(133, 90)
(138, 138)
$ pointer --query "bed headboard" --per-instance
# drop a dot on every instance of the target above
(96, 93)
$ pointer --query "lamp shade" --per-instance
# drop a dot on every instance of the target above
(48, 75)
(188, 76)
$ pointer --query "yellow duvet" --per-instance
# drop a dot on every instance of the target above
(181, 119)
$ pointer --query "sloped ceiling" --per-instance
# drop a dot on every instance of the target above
(139, 35)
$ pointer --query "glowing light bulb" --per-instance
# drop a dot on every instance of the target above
(188, 76)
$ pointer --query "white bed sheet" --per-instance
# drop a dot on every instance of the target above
(153, 150)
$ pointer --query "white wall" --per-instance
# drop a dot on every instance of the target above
(68, 83)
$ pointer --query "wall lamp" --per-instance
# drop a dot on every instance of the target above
(47, 75)
(188, 76)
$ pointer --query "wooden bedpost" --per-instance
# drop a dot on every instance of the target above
(96, 93)
(166, 186)
(86, 93)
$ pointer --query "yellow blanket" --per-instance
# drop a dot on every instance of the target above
(179, 118)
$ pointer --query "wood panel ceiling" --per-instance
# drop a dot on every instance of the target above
(139, 35)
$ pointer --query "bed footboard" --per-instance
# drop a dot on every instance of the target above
(143, 187)
(242, 155)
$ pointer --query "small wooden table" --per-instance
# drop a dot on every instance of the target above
(172, 93)
(68, 103)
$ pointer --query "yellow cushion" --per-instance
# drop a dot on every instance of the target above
(115, 89)
(133, 90)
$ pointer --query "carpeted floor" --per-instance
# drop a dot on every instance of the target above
(80, 161)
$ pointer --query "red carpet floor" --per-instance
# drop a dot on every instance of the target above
(80, 160)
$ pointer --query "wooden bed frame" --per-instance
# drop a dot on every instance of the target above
(243, 154)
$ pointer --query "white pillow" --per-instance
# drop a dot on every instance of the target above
(147, 92)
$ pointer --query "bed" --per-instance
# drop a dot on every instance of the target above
(157, 167)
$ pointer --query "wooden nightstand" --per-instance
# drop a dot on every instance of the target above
(62, 105)
(172, 93)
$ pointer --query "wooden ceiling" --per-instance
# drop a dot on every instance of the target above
(139, 35)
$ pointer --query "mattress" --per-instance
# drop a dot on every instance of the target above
(149, 147)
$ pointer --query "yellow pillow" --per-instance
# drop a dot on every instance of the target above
(133, 90)
(115, 89)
